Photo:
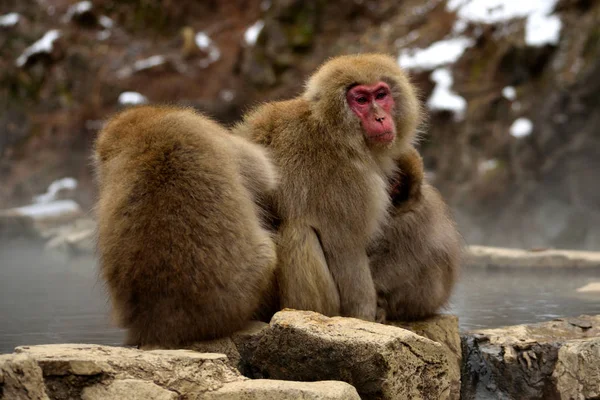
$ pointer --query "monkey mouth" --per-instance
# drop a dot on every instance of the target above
(383, 137)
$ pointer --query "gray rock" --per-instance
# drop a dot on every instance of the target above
(21, 378)
(127, 389)
(482, 256)
(517, 362)
(265, 389)
(442, 329)
(577, 372)
(69, 369)
(380, 361)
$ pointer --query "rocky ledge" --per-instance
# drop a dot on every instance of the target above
(304, 355)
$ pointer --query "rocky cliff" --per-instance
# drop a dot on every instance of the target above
(512, 138)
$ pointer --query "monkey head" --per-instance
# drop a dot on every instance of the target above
(367, 94)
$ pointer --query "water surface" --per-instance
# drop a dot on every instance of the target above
(49, 298)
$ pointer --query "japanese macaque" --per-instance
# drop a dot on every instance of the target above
(416, 261)
(180, 238)
(335, 147)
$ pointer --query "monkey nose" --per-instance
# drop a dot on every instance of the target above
(379, 119)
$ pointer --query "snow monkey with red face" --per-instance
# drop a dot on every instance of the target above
(336, 148)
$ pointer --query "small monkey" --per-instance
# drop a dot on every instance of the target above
(180, 238)
(335, 148)
(416, 261)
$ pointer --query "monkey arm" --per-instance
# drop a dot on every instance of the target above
(305, 282)
(406, 183)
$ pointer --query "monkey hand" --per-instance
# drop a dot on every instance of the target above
(406, 184)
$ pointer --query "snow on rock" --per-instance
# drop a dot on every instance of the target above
(148, 63)
(44, 45)
(487, 165)
(521, 127)
(105, 22)
(443, 98)
(542, 30)
(439, 53)
(205, 43)
(131, 98)
(10, 19)
(48, 210)
(78, 9)
(252, 32)
(541, 27)
(509, 93)
(54, 188)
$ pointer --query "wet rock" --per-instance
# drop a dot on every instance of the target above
(577, 372)
(380, 361)
(20, 378)
(483, 256)
(265, 389)
(517, 362)
(72, 370)
(442, 329)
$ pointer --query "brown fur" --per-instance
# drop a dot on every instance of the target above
(416, 262)
(180, 241)
(333, 199)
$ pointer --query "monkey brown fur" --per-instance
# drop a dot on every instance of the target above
(335, 148)
(416, 261)
(180, 239)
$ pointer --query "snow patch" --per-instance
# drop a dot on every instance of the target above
(148, 63)
(54, 188)
(105, 22)
(439, 53)
(252, 32)
(78, 9)
(10, 19)
(443, 98)
(227, 95)
(541, 28)
(487, 165)
(44, 45)
(509, 93)
(51, 209)
(522, 127)
(131, 98)
(206, 44)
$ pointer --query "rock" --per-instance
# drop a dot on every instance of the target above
(380, 361)
(70, 369)
(518, 361)
(593, 287)
(577, 372)
(224, 346)
(130, 389)
(483, 256)
(21, 378)
(265, 389)
(14, 225)
(246, 342)
(442, 329)
(77, 237)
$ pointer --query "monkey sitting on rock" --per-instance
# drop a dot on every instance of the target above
(180, 237)
(417, 260)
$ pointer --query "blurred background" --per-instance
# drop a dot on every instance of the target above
(512, 140)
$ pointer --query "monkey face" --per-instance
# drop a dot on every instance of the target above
(373, 105)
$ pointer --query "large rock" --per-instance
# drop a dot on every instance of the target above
(380, 361)
(21, 378)
(73, 370)
(444, 330)
(517, 362)
(482, 256)
(130, 389)
(577, 372)
(265, 389)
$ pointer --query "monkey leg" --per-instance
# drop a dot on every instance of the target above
(304, 280)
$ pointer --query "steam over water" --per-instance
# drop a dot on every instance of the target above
(50, 298)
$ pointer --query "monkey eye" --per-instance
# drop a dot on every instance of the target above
(381, 95)
(361, 100)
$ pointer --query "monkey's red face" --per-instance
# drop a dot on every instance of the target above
(374, 105)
